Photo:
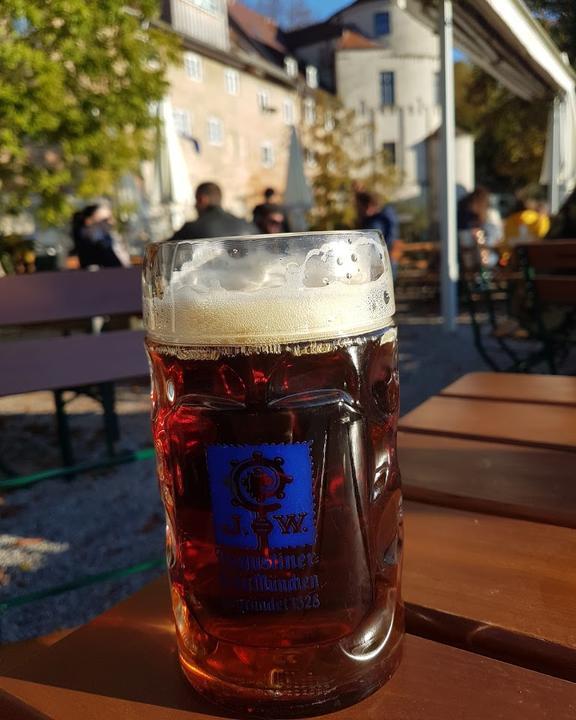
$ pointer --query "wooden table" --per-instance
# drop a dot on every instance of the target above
(489, 582)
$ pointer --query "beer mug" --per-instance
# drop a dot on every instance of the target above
(274, 412)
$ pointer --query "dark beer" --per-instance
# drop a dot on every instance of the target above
(278, 473)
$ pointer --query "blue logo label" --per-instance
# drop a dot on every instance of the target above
(262, 495)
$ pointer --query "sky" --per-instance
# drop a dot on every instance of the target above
(321, 9)
(324, 8)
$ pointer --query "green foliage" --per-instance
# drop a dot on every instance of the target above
(344, 159)
(510, 132)
(77, 80)
(559, 18)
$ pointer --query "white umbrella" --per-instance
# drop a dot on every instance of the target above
(298, 197)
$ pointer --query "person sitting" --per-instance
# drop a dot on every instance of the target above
(94, 240)
(372, 215)
(526, 224)
(272, 219)
(212, 220)
(260, 208)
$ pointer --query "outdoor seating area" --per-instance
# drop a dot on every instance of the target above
(288, 360)
(488, 579)
(526, 309)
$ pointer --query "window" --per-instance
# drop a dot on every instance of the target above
(215, 131)
(267, 154)
(291, 67)
(387, 89)
(182, 122)
(193, 66)
(263, 98)
(381, 24)
(389, 150)
(232, 81)
(309, 111)
(311, 76)
(362, 107)
(329, 122)
(309, 157)
(288, 111)
(211, 6)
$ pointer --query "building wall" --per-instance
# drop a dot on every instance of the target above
(407, 34)
(203, 20)
(237, 163)
(409, 122)
(411, 53)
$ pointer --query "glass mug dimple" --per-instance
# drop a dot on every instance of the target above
(275, 404)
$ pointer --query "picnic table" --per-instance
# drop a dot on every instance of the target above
(489, 581)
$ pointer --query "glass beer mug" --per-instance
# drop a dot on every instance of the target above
(275, 404)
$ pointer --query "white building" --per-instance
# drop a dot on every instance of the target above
(385, 65)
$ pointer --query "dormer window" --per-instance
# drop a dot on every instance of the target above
(291, 67)
(311, 76)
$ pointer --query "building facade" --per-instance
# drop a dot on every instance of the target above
(384, 65)
(234, 99)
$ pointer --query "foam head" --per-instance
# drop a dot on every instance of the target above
(267, 290)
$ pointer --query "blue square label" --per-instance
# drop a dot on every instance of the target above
(262, 495)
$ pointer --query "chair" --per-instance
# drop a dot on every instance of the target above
(527, 315)
(549, 273)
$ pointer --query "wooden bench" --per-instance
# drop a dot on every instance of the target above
(78, 362)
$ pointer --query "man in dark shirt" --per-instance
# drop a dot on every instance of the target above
(212, 220)
(373, 216)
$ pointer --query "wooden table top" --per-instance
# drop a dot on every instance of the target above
(123, 666)
(494, 585)
(489, 582)
(532, 424)
(545, 389)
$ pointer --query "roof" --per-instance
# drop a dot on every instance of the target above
(352, 40)
(259, 28)
(312, 34)
(503, 38)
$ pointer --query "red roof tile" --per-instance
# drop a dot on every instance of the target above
(260, 28)
(351, 40)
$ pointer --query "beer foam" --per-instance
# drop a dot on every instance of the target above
(254, 292)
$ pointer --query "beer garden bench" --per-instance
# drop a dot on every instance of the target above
(50, 306)
(530, 306)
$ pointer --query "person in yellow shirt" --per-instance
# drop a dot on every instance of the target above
(526, 224)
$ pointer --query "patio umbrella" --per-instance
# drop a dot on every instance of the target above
(298, 197)
(166, 179)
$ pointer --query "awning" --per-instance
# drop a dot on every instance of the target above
(504, 39)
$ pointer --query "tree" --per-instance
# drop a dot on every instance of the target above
(77, 83)
(510, 132)
(559, 18)
(340, 147)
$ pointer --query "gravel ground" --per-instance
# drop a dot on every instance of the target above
(59, 530)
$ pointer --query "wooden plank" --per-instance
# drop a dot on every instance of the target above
(503, 587)
(559, 289)
(64, 362)
(551, 255)
(546, 389)
(510, 480)
(73, 295)
(548, 426)
(123, 666)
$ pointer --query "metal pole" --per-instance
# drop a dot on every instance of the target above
(554, 187)
(448, 228)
